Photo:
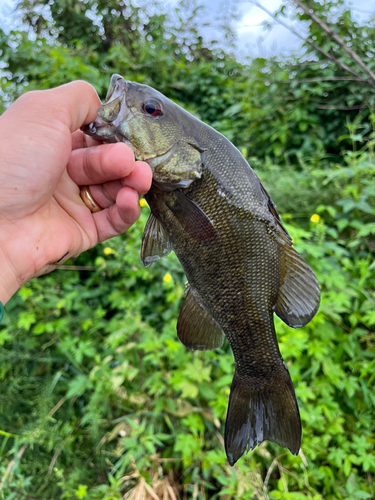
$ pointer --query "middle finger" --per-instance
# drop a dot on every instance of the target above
(139, 179)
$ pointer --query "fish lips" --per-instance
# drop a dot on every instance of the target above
(111, 115)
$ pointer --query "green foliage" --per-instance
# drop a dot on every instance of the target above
(98, 398)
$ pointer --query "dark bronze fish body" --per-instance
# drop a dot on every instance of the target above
(209, 206)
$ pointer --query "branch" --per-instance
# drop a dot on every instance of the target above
(56, 407)
(23, 494)
(8, 473)
(343, 108)
(323, 79)
(325, 106)
(268, 475)
(9, 470)
(77, 268)
(337, 39)
(60, 448)
(316, 47)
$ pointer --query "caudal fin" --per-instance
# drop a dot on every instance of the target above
(259, 409)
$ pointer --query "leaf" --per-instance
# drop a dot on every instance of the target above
(234, 109)
(81, 491)
(26, 319)
(78, 386)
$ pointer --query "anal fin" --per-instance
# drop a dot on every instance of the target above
(195, 328)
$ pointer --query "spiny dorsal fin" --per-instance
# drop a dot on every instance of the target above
(195, 328)
(299, 294)
(272, 209)
(155, 242)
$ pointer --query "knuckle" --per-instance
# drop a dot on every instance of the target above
(32, 99)
(114, 227)
(88, 164)
(85, 87)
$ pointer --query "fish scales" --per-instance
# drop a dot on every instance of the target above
(238, 258)
(209, 206)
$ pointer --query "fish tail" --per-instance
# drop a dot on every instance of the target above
(262, 408)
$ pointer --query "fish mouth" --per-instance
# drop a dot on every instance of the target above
(111, 114)
(104, 132)
(107, 126)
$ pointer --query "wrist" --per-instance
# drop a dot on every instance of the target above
(8, 281)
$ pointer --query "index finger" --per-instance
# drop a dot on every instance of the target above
(82, 141)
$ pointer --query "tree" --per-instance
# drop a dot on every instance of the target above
(98, 399)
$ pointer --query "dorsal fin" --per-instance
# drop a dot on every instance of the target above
(272, 209)
(299, 294)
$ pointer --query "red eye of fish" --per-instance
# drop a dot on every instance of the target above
(151, 107)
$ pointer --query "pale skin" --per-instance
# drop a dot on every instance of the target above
(44, 158)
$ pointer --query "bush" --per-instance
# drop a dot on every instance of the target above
(98, 398)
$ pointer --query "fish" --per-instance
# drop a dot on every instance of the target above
(210, 208)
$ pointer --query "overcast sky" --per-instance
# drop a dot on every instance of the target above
(252, 39)
(255, 41)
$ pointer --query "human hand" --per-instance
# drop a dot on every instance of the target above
(44, 157)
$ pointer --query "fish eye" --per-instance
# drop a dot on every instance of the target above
(152, 108)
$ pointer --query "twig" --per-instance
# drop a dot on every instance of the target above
(220, 438)
(56, 407)
(269, 472)
(60, 448)
(316, 47)
(77, 268)
(322, 79)
(282, 475)
(298, 479)
(336, 37)
(343, 108)
(303, 458)
(8, 471)
(369, 478)
(23, 494)
(23, 449)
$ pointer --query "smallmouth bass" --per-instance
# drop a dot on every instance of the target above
(210, 208)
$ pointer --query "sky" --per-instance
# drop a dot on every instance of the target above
(252, 39)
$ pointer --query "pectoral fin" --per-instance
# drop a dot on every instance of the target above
(299, 295)
(195, 328)
(155, 242)
(192, 218)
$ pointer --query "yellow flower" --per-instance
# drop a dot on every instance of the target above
(167, 278)
(315, 218)
(107, 251)
(143, 202)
